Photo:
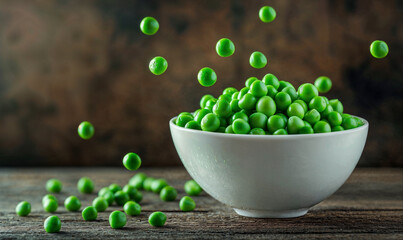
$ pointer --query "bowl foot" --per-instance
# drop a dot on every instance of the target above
(271, 214)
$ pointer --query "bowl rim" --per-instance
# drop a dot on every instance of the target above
(219, 134)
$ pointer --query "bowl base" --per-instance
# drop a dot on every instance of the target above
(271, 214)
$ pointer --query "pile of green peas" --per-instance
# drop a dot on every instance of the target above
(270, 107)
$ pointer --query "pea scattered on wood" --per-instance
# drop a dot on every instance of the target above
(157, 219)
(85, 185)
(89, 213)
(23, 208)
(132, 208)
(187, 204)
(72, 203)
(52, 224)
(117, 219)
(54, 185)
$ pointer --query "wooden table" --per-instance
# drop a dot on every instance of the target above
(368, 206)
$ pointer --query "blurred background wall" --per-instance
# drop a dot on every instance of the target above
(63, 62)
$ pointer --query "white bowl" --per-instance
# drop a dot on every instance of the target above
(267, 176)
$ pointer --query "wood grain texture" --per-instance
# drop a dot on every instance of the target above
(368, 206)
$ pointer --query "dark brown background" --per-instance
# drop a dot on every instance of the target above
(62, 62)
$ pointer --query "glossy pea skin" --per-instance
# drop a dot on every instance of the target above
(72, 203)
(187, 204)
(132, 161)
(200, 115)
(86, 130)
(157, 219)
(337, 105)
(210, 122)
(307, 91)
(23, 208)
(359, 122)
(283, 116)
(100, 204)
(204, 100)
(249, 81)
(270, 79)
(317, 103)
(295, 109)
(322, 127)
(132, 208)
(147, 183)
(158, 65)
(121, 197)
(257, 131)
(267, 14)
(283, 84)
(193, 125)
(235, 95)
(258, 89)
(247, 102)
(257, 60)
(334, 118)
(294, 124)
(210, 104)
(109, 197)
(266, 105)
(89, 213)
(48, 196)
(235, 105)
(379, 49)
(168, 193)
(271, 91)
(158, 184)
(240, 126)
(323, 84)
(229, 129)
(242, 92)
(305, 130)
(149, 26)
(50, 205)
(337, 129)
(54, 185)
(133, 193)
(52, 224)
(349, 123)
(280, 132)
(291, 91)
(114, 188)
(303, 104)
(117, 219)
(275, 123)
(328, 109)
(226, 97)
(258, 120)
(138, 180)
(229, 90)
(192, 188)
(182, 119)
(222, 108)
(225, 47)
(207, 77)
(85, 185)
(282, 100)
(307, 124)
(312, 116)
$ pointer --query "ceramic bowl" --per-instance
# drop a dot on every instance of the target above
(267, 176)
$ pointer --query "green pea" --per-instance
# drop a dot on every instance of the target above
(294, 124)
(72, 204)
(204, 100)
(345, 115)
(249, 82)
(283, 116)
(117, 219)
(210, 104)
(318, 103)
(131, 161)
(85, 185)
(334, 118)
(200, 115)
(337, 129)
(247, 112)
(323, 84)
(192, 188)
(328, 109)
(138, 180)
(235, 105)
(114, 188)
(326, 100)
(283, 84)
(307, 124)
(147, 183)
(23, 208)
(182, 119)
(229, 129)
(275, 123)
(222, 108)
(132, 208)
(157, 219)
(271, 91)
(221, 129)
(240, 126)
(282, 100)
(258, 89)
(100, 204)
(307, 91)
(267, 14)
(242, 93)
(133, 193)
(210, 122)
(149, 26)
(229, 91)
(158, 65)
(86, 130)
(193, 125)
(54, 185)
(48, 196)
(109, 197)
(349, 123)
(168, 193)
(225, 47)
(303, 104)
(336, 105)
(312, 116)
(295, 109)
(207, 77)
(235, 95)
(50, 205)
(52, 224)
(187, 204)
(226, 97)
(280, 132)
(257, 60)
(359, 122)
(379, 49)
(270, 79)
(291, 91)
(158, 184)
(258, 120)
(121, 197)
(266, 105)
(248, 102)
(305, 130)
(196, 112)
(223, 122)
(89, 213)
(257, 131)
(322, 127)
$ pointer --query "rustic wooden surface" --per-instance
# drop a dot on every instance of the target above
(368, 206)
